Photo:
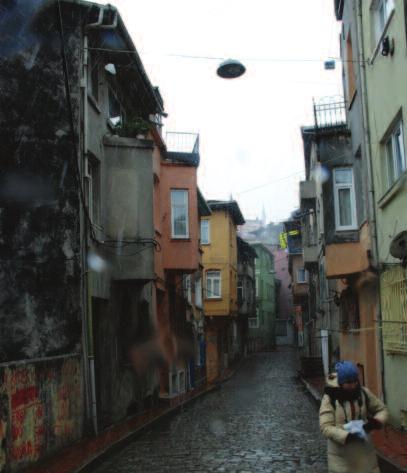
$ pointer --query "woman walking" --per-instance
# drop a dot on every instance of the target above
(347, 414)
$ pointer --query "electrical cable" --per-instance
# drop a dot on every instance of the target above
(218, 58)
(71, 119)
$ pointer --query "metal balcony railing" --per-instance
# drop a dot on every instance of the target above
(182, 142)
(330, 112)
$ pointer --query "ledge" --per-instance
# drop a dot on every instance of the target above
(393, 191)
(123, 142)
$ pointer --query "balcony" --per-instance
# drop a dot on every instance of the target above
(330, 113)
(308, 190)
(310, 255)
(344, 259)
(310, 245)
(183, 148)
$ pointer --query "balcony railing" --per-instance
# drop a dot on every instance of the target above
(182, 142)
(330, 112)
(183, 147)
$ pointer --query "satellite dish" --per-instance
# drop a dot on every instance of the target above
(231, 69)
(398, 246)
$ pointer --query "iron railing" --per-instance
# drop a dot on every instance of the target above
(330, 112)
(182, 142)
(394, 309)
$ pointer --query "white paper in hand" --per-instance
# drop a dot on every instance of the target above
(356, 427)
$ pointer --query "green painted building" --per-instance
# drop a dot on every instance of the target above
(262, 334)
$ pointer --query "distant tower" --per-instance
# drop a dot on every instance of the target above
(263, 217)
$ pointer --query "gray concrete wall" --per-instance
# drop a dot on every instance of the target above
(121, 292)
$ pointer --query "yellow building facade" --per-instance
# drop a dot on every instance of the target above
(219, 243)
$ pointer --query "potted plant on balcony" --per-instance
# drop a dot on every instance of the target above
(135, 127)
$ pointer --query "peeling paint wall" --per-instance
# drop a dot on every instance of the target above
(39, 207)
(41, 392)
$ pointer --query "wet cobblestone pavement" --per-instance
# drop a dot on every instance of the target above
(260, 421)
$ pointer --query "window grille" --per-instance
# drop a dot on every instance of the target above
(394, 310)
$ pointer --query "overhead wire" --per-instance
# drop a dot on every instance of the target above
(219, 58)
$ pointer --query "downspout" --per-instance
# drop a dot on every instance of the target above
(371, 189)
(87, 297)
(89, 347)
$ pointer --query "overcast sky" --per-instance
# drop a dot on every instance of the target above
(251, 146)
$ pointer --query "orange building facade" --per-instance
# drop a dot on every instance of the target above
(178, 207)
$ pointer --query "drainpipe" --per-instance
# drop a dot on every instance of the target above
(87, 296)
(88, 340)
(371, 190)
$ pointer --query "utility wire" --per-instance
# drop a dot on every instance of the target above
(71, 119)
(219, 58)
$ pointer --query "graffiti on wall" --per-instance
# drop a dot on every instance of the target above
(27, 426)
(45, 404)
(3, 424)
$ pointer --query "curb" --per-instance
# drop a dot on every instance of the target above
(388, 465)
(115, 447)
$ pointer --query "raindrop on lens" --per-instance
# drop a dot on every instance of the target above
(322, 174)
(96, 263)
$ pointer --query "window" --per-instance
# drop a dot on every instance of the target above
(240, 292)
(302, 276)
(115, 109)
(213, 285)
(205, 232)
(394, 296)
(253, 322)
(344, 198)
(92, 174)
(187, 283)
(93, 77)
(257, 286)
(179, 214)
(395, 158)
(350, 69)
(198, 292)
(349, 310)
(381, 10)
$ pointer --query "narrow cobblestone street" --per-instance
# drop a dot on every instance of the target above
(260, 421)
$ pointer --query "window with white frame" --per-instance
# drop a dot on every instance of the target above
(344, 199)
(205, 232)
(302, 276)
(198, 291)
(179, 213)
(381, 11)
(213, 285)
(395, 158)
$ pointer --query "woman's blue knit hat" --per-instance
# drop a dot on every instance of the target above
(347, 372)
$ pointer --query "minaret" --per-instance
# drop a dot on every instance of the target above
(263, 217)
